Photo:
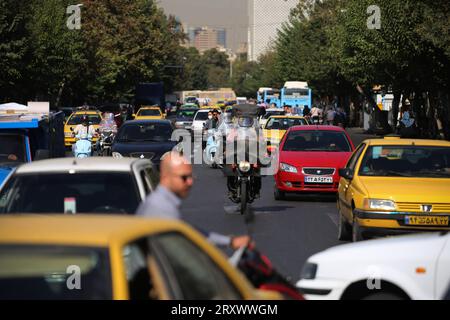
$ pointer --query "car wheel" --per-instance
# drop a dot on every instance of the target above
(356, 232)
(383, 296)
(344, 229)
(278, 195)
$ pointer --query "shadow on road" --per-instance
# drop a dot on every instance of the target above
(313, 197)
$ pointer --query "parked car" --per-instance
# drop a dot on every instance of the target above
(115, 257)
(144, 139)
(406, 267)
(394, 185)
(310, 158)
(68, 185)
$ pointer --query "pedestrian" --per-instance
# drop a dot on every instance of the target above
(176, 181)
(306, 111)
(330, 115)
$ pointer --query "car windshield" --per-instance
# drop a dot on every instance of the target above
(318, 141)
(141, 132)
(201, 116)
(149, 112)
(274, 113)
(12, 149)
(77, 118)
(284, 123)
(46, 272)
(94, 192)
(406, 161)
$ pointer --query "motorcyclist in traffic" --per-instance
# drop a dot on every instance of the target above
(84, 129)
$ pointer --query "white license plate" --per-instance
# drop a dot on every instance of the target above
(318, 179)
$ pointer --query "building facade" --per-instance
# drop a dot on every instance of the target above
(266, 17)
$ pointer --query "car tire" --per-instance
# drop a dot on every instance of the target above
(344, 229)
(383, 296)
(278, 195)
(356, 232)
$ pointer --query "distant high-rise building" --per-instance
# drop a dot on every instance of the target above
(265, 18)
(205, 38)
(222, 37)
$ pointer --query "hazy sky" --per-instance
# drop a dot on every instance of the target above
(229, 14)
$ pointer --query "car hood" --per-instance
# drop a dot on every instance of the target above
(159, 148)
(402, 189)
(315, 159)
(349, 259)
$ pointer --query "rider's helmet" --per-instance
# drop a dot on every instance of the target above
(84, 120)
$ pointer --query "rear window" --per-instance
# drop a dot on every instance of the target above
(149, 112)
(76, 119)
(12, 149)
(52, 272)
(318, 141)
(141, 132)
(284, 123)
(201, 116)
(106, 192)
(406, 161)
(274, 113)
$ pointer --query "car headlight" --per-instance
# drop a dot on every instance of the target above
(244, 166)
(287, 168)
(309, 271)
(379, 204)
(116, 155)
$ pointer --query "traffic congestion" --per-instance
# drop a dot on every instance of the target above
(155, 186)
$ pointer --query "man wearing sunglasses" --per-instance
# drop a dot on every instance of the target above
(175, 183)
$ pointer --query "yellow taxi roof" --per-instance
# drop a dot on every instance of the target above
(86, 112)
(390, 141)
(80, 230)
(150, 108)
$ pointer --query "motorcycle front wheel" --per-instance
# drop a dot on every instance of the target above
(244, 197)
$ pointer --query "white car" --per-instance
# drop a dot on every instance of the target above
(405, 267)
(270, 112)
(200, 119)
(70, 186)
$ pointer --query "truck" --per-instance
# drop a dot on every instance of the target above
(29, 133)
(150, 94)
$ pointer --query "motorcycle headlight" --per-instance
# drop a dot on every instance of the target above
(287, 168)
(379, 204)
(244, 166)
(309, 271)
(116, 155)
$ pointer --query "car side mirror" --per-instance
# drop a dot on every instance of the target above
(346, 173)
(42, 154)
(71, 129)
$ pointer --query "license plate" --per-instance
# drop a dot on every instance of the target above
(426, 221)
(318, 179)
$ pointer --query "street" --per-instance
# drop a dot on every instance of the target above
(288, 232)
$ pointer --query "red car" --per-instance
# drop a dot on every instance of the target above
(310, 158)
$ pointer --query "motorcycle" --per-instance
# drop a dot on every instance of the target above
(83, 146)
(105, 142)
(262, 275)
(212, 146)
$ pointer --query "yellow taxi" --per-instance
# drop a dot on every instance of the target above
(276, 127)
(149, 113)
(113, 257)
(394, 185)
(95, 117)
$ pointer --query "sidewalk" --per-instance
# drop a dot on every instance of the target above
(358, 135)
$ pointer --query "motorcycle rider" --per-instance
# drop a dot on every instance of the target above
(246, 129)
(84, 129)
(107, 125)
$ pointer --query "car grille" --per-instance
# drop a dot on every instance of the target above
(297, 184)
(143, 155)
(416, 207)
(319, 171)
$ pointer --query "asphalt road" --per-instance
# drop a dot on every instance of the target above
(288, 232)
